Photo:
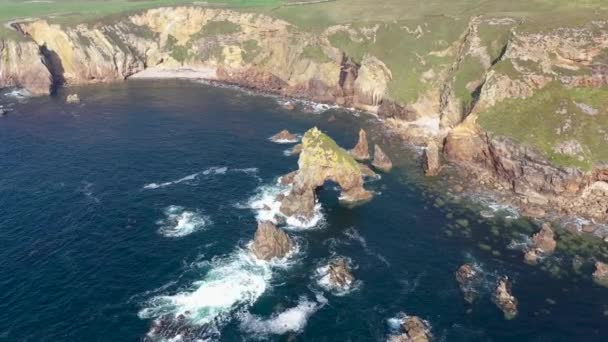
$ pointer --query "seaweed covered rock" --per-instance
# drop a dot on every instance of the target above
(600, 276)
(361, 151)
(466, 277)
(414, 330)
(381, 160)
(543, 244)
(322, 160)
(504, 299)
(270, 242)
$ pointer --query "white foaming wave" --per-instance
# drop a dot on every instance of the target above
(284, 141)
(179, 222)
(268, 208)
(18, 94)
(238, 280)
(231, 283)
(291, 320)
(322, 279)
(215, 170)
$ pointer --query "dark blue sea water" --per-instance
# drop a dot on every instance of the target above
(136, 205)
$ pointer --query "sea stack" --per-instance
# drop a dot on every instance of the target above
(504, 299)
(321, 160)
(270, 242)
(284, 137)
(361, 151)
(381, 160)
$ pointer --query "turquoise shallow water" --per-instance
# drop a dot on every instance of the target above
(135, 206)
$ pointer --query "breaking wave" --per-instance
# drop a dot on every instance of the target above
(291, 320)
(232, 283)
(179, 222)
(267, 208)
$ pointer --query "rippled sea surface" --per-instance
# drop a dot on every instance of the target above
(136, 206)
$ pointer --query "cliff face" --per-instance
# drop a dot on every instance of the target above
(526, 103)
(21, 65)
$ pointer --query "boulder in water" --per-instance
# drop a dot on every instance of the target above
(504, 299)
(600, 276)
(431, 160)
(284, 136)
(381, 160)
(340, 276)
(270, 242)
(466, 277)
(543, 244)
(361, 151)
(72, 98)
(414, 330)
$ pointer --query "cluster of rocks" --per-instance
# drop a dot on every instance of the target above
(361, 153)
(543, 244)
(468, 278)
(413, 329)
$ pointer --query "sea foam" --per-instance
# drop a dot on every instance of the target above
(179, 222)
(211, 171)
(291, 320)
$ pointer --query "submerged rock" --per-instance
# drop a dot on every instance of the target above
(340, 276)
(381, 160)
(431, 160)
(414, 330)
(72, 98)
(543, 244)
(466, 276)
(270, 242)
(361, 151)
(600, 276)
(504, 299)
(284, 136)
(322, 160)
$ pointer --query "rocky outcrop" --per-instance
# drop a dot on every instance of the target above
(466, 277)
(270, 242)
(340, 276)
(600, 275)
(361, 151)
(322, 160)
(72, 98)
(414, 330)
(284, 136)
(381, 161)
(504, 299)
(366, 171)
(431, 162)
(543, 244)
